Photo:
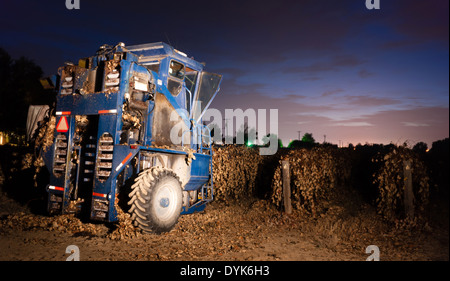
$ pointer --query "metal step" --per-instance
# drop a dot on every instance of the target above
(106, 139)
(105, 156)
(105, 165)
(59, 168)
(61, 151)
(102, 173)
(61, 144)
(106, 147)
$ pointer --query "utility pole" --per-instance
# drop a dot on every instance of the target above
(324, 138)
(299, 134)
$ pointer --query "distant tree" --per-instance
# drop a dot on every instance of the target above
(271, 137)
(295, 144)
(5, 70)
(441, 146)
(19, 88)
(301, 144)
(328, 144)
(420, 147)
(439, 162)
(308, 138)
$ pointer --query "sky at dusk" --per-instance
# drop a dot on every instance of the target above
(331, 68)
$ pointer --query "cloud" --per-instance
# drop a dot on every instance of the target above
(414, 124)
(336, 63)
(353, 124)
(293, 97)
(370, 101)
(363, 73)
(426, 124)
(331, 92)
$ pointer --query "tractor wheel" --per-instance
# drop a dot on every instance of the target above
(156, 200)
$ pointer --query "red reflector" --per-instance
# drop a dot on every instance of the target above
(56, 188)
(99, 194)
(133, 146)
(62, 126)
(126, 158)
(107, 111)
(62, 112)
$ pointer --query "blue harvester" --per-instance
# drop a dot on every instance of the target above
(129, 127)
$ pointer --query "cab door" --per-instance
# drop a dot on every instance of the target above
(209, 85)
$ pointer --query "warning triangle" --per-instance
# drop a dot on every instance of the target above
(62, 126)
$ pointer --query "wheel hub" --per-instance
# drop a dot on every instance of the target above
(164, 202)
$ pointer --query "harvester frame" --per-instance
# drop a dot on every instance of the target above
(117, 114)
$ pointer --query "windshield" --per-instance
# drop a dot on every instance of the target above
(208, 87)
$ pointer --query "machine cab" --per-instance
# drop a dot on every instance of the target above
(186, 87)
(183, 77)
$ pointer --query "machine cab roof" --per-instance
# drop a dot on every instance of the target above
(151, 53)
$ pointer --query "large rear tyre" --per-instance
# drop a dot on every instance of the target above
(156, 200)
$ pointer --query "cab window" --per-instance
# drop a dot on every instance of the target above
(176, 76)
(176, 70)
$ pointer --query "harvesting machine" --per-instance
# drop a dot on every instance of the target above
(129, 121)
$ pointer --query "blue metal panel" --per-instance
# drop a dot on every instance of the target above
(48, 156)
(199, 172)
(125, 76)
(194, 209)
(162, 150)
(69, 135)
(149, 124)
(88, 104)
(122, 156)
(181, 111)
(200, 167)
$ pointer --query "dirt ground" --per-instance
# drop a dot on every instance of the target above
(253, 230)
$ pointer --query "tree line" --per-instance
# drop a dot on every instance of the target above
(19, 88)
